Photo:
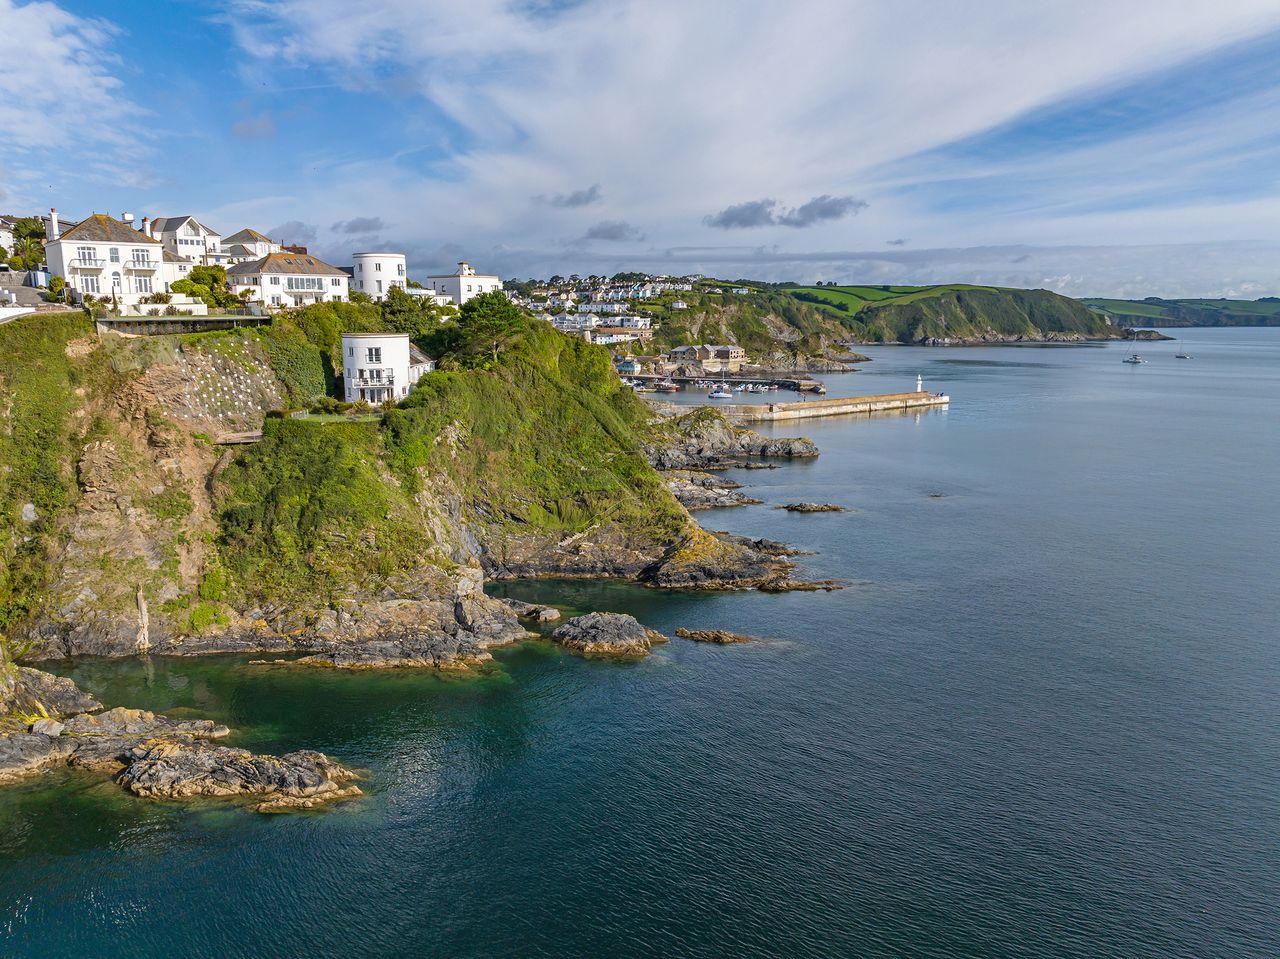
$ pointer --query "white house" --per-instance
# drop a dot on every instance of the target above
(103, 256)
(605, 307)
(462, 285)
(187, 236)
(679, 305)
(634, 322)
(7, 224)
(246, 245)
(376, 273)
(288, 279)
(377, 367)
(174, 268)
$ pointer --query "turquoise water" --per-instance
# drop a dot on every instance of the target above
(1042, 720)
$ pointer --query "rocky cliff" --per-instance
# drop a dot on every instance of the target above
(362, 541)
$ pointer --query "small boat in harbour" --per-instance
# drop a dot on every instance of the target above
(720, 391)
(1180, 354)
(1133, 358)
(666, 386)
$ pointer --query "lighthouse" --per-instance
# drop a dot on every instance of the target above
(919, 383)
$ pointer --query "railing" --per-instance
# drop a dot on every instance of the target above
(147, 264)
(388, 380)
(88, 263)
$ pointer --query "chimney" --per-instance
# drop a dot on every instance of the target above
(127, 218)
(51, 231)
(146, 226)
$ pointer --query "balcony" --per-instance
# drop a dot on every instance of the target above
(151, 265)
(388, 380)
(87, 263)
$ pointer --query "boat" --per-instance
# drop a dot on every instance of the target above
(642, 388)
(1180, 355)
(1133, 358)
(666, 386)
(720, 391)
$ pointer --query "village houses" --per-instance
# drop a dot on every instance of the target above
(289, 279)
(377, 367)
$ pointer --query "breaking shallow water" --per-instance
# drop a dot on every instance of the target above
(1042, 720)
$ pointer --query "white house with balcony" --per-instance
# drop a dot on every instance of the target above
(288, 279)
(377, 367)
(103, 256)
(187, 236)
(463, 284)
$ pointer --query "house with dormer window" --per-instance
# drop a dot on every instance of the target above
(106, 257)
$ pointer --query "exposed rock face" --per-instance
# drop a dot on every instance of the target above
(164, 769)
(1146, 335)
(541, 614)
(719, 636)
(812, 508)
(698, 490)
(607, 634)
(38, 691)
(705, 438)
(161, 757)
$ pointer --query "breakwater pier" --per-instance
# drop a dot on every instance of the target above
(882, 403)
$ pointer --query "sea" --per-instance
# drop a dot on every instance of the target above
(1041, 719)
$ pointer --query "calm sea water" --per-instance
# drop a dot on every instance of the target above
(1043, 720)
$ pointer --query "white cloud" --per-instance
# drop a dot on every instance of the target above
(61, 103)
(677, 109)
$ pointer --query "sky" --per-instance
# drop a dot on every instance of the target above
(1086, 146)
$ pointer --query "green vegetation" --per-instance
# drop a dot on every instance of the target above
(530, 429)
(208, 283)
(1154, 311)
(38, 381)
(956, 311)
(28, 250)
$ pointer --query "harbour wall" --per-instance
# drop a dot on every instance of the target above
(885, 402)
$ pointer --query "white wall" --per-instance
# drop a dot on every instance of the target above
(377, 378)
(376, 273)
(116, 276)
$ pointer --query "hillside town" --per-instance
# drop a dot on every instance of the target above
(160, 268)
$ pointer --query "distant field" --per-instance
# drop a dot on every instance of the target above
(1193, 312)
(851, 299)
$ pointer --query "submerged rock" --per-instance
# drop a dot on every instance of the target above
(719, 636)
(610, 634)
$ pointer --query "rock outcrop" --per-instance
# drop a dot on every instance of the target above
(698, 490)
(540, 614)
(153, 755)
(812, 508)
(718, 636)
(165, 769)
(705, 438)
(607, 634)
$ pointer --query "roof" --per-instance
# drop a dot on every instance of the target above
(379, 336)
(169, 224)
(106, 229)
(171, 257)
(303, 263)
(238, 249)
(246, 236)
(417, 357)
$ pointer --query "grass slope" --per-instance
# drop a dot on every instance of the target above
(1174, 313)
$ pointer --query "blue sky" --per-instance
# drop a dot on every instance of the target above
(1073, 146)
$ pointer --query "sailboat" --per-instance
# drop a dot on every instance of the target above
(1133, 358)
(1180, 354)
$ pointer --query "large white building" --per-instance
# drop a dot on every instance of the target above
(288, 279)
(103, 256)
(463, 284)
(248, 245)
(187, 236)
(376, 273)
(377, 367)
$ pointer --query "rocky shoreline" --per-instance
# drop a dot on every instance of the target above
(47, 721)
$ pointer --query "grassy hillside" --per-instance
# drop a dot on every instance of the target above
(956, 312)
(1173, 313)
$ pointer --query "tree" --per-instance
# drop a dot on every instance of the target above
(56, 287)
(214, 277)
(487, 321)
(416, 315)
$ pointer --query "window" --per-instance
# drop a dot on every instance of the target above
(399, 269)
(377, 267)
(351, 351)
(275, 301)
(114, 254)
(142, 284)
(379, 286)
(373, 354)
(88, 284)
(275, 281)
(336, 281)
(85, 254)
